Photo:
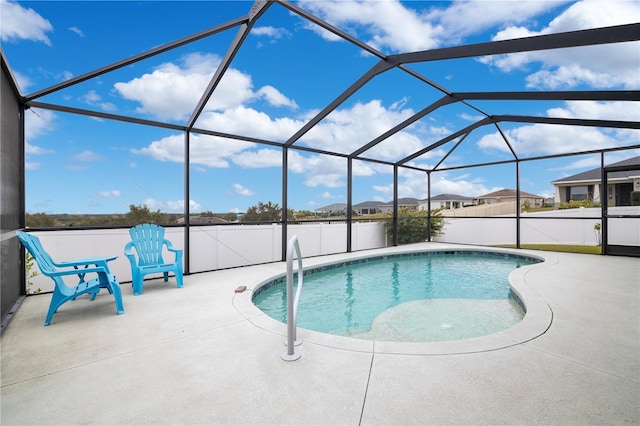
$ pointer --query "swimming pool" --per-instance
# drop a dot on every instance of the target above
(428, 296)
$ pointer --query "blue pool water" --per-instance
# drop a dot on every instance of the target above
(430, 296)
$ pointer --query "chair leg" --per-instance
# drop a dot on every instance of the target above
(137, 285)
(52, 310)
(114, 289)
(179, 280)
(56, 302)
(95, 293)
(166, 276)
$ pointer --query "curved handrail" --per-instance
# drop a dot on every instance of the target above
(293, 301)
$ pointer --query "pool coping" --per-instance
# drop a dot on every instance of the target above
(537, 320)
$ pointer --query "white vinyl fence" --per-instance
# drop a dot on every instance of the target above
(229, 246)
(212, 247)
(551, 229)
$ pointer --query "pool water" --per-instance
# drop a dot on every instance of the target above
(425, 297)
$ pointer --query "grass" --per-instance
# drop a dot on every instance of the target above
(559, 247)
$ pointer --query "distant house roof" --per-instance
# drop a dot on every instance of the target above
(407, 201)
(333, 207)
(595, 174)
(450, 197)
(508, 193)
(367, 205)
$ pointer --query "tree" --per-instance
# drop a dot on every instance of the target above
(262, 212)
(39, 220)
(142, 214)
(413, 226)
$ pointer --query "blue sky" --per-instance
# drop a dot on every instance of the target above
(286, 71)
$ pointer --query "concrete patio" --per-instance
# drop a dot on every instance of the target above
(204, 354)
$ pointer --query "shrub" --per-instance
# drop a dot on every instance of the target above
(635, 198)
(413, 226)
(573, 204)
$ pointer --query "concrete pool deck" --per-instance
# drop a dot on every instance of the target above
(204, 354)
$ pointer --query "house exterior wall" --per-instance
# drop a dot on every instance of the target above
(533, 201)
(444, 204)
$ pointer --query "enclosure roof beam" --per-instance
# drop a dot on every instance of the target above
(258, 8)
(525, 119)
(590, 37)
(620, 124)
(306, 15)
(380, 67)
(580, 95)
(445, 100)
(451, 137)
(105, 115)
(136, 58)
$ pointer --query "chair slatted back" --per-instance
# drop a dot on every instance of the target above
(42, 258)
(148, 240)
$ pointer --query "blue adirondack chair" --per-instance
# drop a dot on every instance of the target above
(62, 292)
(148, 241)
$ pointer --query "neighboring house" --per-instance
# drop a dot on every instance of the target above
(446, 201)
(505, 195)
(338, 209)
(367, 207)
(587, 185)
(402, 202)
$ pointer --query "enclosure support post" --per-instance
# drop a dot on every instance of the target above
(517, 203)
(349, 202)
(187, 197)
(395, 205)
(429, 206)
(285, 190)
(604, 203)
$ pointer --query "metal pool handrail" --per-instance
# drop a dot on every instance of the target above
(292, 302)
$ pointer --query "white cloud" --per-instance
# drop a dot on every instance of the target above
(171, 206)
(413, 185)
(239, 189)
(387, 24)
(88, 156)
(598, 110)
(346, 130)
(22, 80)
(616, 65)
(208, 151)
(172, 91)
(557, 139)
(19, 23)
(271, 32)
(249, 122)
(76, 30)
(37, 123)
(30, 165)
(464, 18)
(275, 98)
(35, 150)
(398, 27)
(109, 193)
(258, 159)
(92, 98)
